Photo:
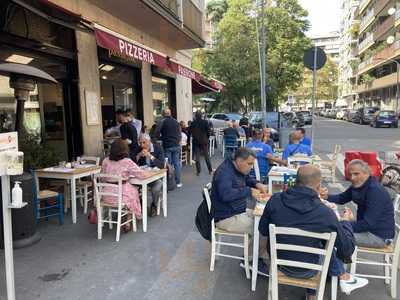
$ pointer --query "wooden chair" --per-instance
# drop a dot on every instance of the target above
(257, 170)
(330, 165)
(113, 182)
(82, 186)
(317, 282)
(184, 154)
(216, 240)
(389, 258)
(47, 203)
(299, 159)
(230, 145)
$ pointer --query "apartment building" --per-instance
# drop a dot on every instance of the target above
(378, 51)
(348, 61)
(330, 43)
(106, 56)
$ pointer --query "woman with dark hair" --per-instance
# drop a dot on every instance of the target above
(119, 163)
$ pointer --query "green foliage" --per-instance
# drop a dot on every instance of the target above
(36, 155)
(354, 30)
(366, 78)
(235, 61)
(216, 9)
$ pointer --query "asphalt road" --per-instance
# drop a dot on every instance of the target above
(350, 136)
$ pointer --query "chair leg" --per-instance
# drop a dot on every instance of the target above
(393, 280)
(46, 204)
(334, 284)
(270, 288)
(213, 246)
(86, 200)
(134, 227)
(118, 226)
(99, 222)
(246, 255)
(110, 225)
(353, 262)
(387, 268)
(218, 245)
(60, 209)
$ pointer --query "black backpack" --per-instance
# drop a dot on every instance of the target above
(203, 220)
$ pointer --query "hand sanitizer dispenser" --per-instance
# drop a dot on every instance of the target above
(17, 195)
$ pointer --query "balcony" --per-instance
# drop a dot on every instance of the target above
(192, 18)
(383, 28)
(380, 5)
(379, 83)
(363, 5)
(171, 5)
(366, 43)
(379, 58)
(367, 20)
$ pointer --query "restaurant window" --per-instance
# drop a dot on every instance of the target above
(163, 96)
(119, 91)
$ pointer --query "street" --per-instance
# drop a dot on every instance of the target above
(171, 260)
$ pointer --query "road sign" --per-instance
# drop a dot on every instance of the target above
(309, 58)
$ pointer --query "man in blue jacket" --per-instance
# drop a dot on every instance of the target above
(295, 147)
(305, 140)
(231, 187)
(375, 226)
(300, 207)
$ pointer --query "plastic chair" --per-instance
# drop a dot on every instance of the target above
(216, 240)
(389, 254)
(82, 186)
(317, 282)
(110, 186)
(230, 145)
(45, 207)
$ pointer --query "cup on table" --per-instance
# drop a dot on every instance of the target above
(62, 164)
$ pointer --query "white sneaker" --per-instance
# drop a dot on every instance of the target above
(353, 283)
(179, 185)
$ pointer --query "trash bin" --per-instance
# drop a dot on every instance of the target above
(23, 219)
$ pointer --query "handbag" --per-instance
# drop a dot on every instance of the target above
(92, 216)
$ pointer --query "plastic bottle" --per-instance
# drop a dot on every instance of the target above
(17, 194)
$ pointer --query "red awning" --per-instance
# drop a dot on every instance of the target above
(131, 50)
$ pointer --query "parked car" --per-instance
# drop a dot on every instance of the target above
(385, 118)
(340, 113)
(365, 115)
(218, 120)
(307, 117)
(294, 119)
(272, 119)
(349, 115)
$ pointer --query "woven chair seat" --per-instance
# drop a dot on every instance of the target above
(386, 249)
(44, 194)
(310, 283)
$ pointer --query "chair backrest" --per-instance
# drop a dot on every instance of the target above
(325, 253)
(206, 192)
(230, 141)
(108, 185)
(35, 184)
(299, 159)
(89, 159)
(396, 204)
(257, 170)
(336, 151)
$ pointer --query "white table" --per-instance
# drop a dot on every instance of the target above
(257, 213)
(68, 174)
(276, 174)
(144, 183)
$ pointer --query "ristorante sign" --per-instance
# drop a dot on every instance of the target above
(130, 51)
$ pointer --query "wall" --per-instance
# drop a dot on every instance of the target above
(147, 93)
(184, 89)
(89, 80)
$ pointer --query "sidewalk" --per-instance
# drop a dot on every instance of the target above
(170, 261)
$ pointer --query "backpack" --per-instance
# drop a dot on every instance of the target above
(203, 220)
(391, 178)
(171, 182)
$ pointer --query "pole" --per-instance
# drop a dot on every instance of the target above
(397, 89)
(263, 66)
(8, 243)
(313, 97)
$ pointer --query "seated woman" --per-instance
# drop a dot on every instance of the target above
(119, 163)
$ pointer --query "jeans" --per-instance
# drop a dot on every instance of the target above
(155, 188)
(336, 268)
(174, 158)
(369, 240)
(201, 150)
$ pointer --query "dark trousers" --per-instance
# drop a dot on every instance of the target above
(201, 150)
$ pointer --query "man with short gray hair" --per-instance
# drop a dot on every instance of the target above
(375, 226)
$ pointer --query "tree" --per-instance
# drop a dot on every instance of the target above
(216, 9)
(234, 59)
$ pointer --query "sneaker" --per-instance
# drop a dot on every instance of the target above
(353, 283)
(179, 185)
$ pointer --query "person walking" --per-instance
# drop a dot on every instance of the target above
(169, 131)
(200, 131)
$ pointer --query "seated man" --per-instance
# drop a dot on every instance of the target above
(151, 155)
(300, 207)
(295, 148)
(375, 226)
(263, 151)
(267, 138)
(230, 130)
(303, 138)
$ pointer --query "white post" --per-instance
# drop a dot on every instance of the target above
(313, 97)
(8, 242)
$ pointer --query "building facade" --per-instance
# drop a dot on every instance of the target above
(330, 43)
(348, 61)
(106, 56)
(378, 51)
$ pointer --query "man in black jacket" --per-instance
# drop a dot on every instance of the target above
(129, 133)
(151, 155)
(200, 130)
(300, 207)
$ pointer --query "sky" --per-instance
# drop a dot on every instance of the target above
(324, 15)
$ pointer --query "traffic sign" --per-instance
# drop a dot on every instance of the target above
(309, 57)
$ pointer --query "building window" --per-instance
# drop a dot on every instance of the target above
(163, 96)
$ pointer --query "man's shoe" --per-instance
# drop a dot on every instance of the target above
(179, 185)
(353, 283)
(153, 210)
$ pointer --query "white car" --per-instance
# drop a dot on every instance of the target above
(218, 120)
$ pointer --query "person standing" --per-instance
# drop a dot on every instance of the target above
(200, 130)
(129, 133)
(135, 122)
(169, 131)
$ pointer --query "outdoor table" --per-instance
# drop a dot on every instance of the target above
(143, 182)
(276, 174)
(71, 174)
(257, 213)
